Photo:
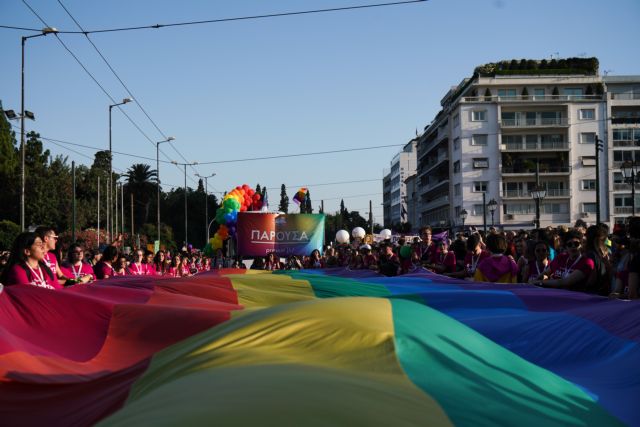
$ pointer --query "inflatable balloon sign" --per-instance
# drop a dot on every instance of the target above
(358, 233)
(300, 196)
(240, 199)
(342, 236)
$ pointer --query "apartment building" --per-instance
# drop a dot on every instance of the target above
(501, 135)
(623, 111)
(403, 165)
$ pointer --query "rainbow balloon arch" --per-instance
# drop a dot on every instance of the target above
(240, 199)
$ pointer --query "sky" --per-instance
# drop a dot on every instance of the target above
(284, 85)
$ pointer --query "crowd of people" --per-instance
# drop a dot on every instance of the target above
(587, 259)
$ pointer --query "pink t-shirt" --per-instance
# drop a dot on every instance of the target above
(151, 269)
(471, 261)
(52, 262)
(562, 266)
(173, 272)
(103, 269)
(75, 272)
(39, 277)
(136, 269)
(447, 260)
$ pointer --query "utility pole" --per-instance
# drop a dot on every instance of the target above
(484, 212)
(98, 236)
(371, 217)
(73, 227)
(599, 148)
(132, 218)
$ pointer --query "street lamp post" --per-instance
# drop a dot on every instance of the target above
(492, 205)
(169, 139)
(537, 194)
(206, 200)
(110, 185)
(185, 195)
(45, 31)
(463, 217)
(630, 176)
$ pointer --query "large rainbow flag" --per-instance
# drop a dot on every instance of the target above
(325, 347)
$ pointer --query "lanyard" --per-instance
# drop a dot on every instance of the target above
(138, 271)
(77, 273)
(38, 278)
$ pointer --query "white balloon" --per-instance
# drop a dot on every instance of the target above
(342, 236)
(358, 233)
(385, 234)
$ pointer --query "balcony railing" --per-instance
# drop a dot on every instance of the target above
(537, 122)
(625, 120)
(543, 169)
(623, 210)
(434, 182)
(526, 194)
(436, 202)
(534, 98)
(621, 187)
(537, 146)
(626, 143)
(625, 96)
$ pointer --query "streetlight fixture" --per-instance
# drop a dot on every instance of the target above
(169, 139)
(463, 217)
(206, 200)
(538, 194)
(45, 31)
(492, 205)
(630, 176)
(185, 194)
(110, 185)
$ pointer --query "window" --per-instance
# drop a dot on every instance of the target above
(481, 163)
(588, 184)
(456, 166)
(587, 138)
(555, 208)
(479, 139)
(507, 93)
(622, 156)
(457, 210)
(456, 120)
(477, 209)
(456, 144)
(479, 116)
(588, 160)
(589, 207)
(480, 186)
(538, 94)
(573, 92)
(457, 190)
(519, 208)
(587, 114)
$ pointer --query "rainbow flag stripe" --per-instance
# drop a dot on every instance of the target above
(316, 347)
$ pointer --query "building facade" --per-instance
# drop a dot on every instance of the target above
(500, 136)
(403, 165)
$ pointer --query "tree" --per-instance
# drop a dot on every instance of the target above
(9, 170)
(141, 183)
(258, 189)
(284, 200)
(307, 203)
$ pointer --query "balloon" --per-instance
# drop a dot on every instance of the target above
(358, 233)
(385, 234)
(342, 236)
(405, 252)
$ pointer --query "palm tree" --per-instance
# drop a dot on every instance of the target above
(141, 182)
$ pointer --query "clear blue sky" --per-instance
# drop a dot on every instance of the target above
(285, 85)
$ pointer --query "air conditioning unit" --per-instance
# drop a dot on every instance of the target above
(584, 214)
(509, 216)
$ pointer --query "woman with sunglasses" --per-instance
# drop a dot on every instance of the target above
(75, 268)
(534, 270)
(569, 270)
(26, 265)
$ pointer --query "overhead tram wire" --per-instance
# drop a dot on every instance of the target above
(95, 80)
(220, 20)
(138, 103)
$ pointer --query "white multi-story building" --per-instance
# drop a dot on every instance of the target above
(403, 165)
(502, 135)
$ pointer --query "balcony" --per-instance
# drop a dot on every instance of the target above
(625, 210)
(437, 202)
(526, 194)
(626, 143)
(625, 96)
(534, 98)
(537, 122)
(434, 182)
(543, 170)
(621, 187)
(537, 146)
(625, 120)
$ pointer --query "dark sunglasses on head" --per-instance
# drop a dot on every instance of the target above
(573, 244)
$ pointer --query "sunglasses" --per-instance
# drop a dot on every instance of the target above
(53, 236)
(573, 244)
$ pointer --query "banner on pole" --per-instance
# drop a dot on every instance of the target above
(261, 233)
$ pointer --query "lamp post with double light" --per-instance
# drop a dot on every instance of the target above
(23, 114)
(110, 184)
(463, 217)
(630, 176)
(169, 139)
